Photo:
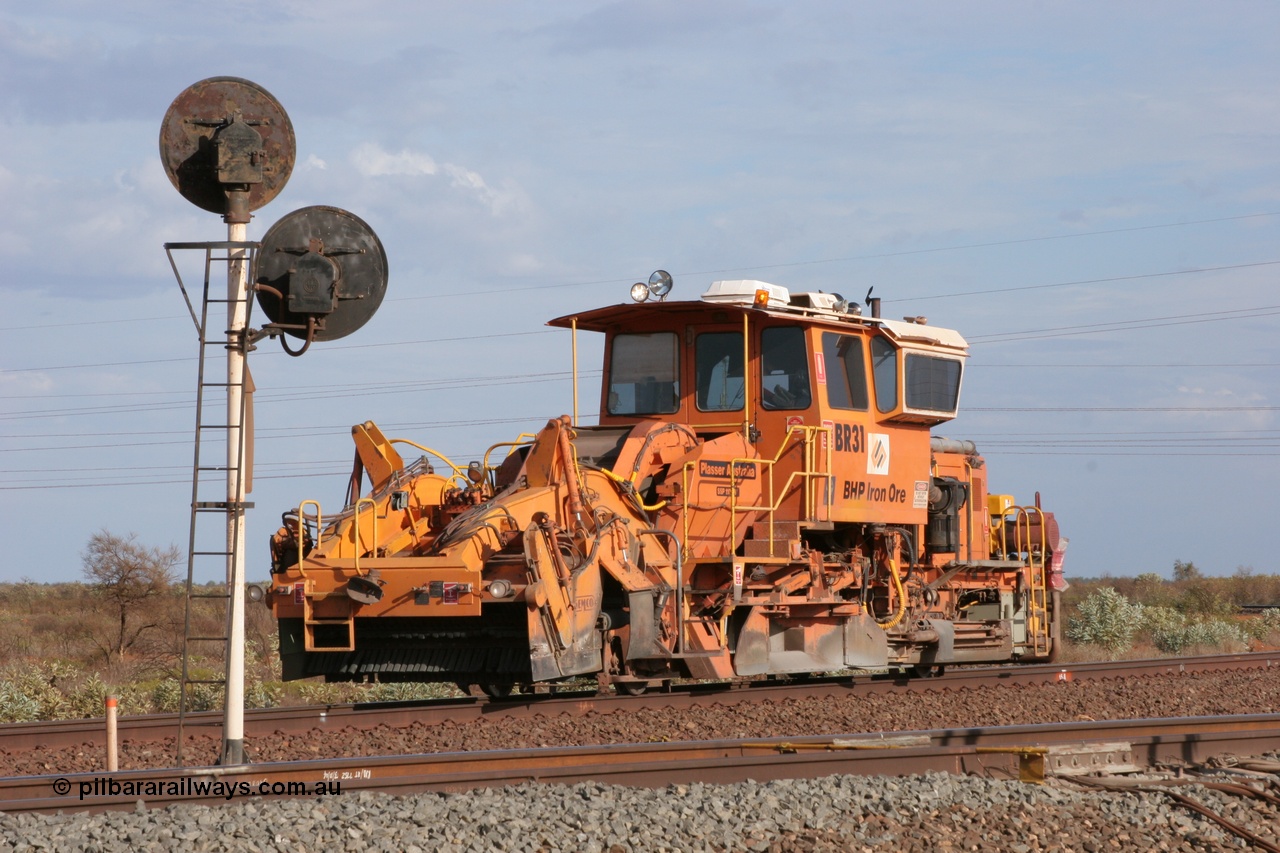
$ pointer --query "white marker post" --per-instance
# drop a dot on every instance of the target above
(237, 321)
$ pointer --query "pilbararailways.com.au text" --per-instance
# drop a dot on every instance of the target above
(189, 786)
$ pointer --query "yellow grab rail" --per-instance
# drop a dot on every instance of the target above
(810, 474)
(1036, 551)
(459, 473)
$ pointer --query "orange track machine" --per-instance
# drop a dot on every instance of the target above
(762, 495)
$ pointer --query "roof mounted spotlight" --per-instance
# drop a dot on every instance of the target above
(660, 284)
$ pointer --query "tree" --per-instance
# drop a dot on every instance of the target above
(129, 576)
(1186, 571)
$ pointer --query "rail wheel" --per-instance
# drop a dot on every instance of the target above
(631, 688)
(925, 671)
(497, 689)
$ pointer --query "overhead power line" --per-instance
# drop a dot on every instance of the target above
(1126, 325)
(464, 338)
(787, 264)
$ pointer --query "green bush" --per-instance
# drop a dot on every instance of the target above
(57, 691)
(18, 707)
(1107, 619)
(1262, 627)
(1174, 633)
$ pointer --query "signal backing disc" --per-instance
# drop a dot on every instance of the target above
(328, 265)
(187, 135)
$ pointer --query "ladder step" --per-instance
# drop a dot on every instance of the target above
(204, 681)
(207, 639)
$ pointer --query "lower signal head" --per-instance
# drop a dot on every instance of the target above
(321, 273)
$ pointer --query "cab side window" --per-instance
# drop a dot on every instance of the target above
(784, 369)
(644, 374)
(846, 370)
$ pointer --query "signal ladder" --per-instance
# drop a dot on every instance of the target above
(211, 545)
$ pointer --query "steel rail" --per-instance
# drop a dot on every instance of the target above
(997, 752)
(264, 722)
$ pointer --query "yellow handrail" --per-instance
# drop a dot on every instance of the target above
(808, 474)
(1037, 612)
(490, 474)
(459, 473)
(521, 440)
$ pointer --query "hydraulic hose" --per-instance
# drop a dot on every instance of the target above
(902, 598)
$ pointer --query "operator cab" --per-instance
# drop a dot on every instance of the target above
(752, 357)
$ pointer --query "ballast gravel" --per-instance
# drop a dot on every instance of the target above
(1255, 691)
(934, 812)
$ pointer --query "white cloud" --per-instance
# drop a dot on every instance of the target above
(499, 202)
(28, 380)
(314, 162)
(372, 161)
(463, 177)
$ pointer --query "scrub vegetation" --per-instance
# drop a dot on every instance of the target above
(1149, 616)
(119, 632)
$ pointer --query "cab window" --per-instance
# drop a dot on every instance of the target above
(644, 374)
(784, 369)
(718, 362)
(932, 383)
(846, 370)
(884, 366)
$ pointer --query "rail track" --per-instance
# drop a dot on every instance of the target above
(1009, 752)
(90, 733)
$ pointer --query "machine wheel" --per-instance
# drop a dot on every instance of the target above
(497, 689)
(631, 688)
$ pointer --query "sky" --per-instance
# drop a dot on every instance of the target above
(1088, 191)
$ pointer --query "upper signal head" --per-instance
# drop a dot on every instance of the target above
(321, 273)
(228, 146)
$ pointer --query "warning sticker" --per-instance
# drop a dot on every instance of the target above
(921, 498)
